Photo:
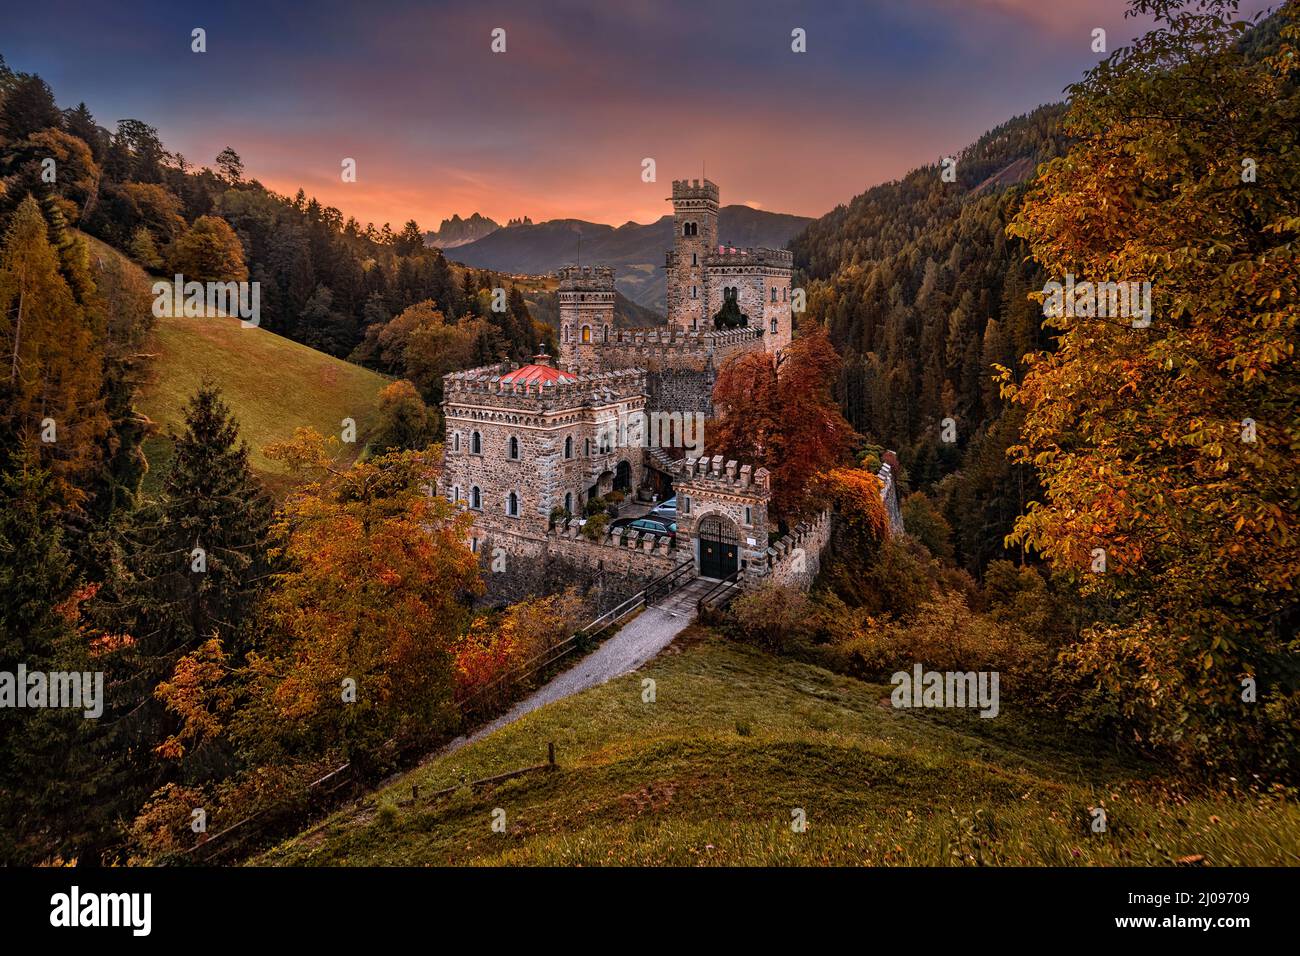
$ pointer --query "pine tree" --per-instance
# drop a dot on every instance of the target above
(48, 772)
(202, 549)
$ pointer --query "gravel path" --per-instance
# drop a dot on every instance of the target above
(637, 642)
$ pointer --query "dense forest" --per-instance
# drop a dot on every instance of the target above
(923, 293)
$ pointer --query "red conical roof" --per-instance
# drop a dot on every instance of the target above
(540, 371)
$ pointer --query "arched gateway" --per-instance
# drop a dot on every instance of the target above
(719, 547)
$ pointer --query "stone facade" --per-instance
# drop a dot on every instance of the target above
(701, 273)
(732, 500)
(586, 297)
(518, 448)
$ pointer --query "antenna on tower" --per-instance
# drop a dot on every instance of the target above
(579, 247)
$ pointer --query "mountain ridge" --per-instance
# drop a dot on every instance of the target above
(635, 250)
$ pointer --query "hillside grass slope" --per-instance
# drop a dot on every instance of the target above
(736, 741)
(272, 384)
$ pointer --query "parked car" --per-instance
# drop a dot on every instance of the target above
(666, 509)
(650, 525)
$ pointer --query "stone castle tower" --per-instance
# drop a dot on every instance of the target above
(695, 232)
(702, 274)
(586, 314)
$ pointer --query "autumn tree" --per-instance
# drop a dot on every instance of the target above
(777, 412)
(364, 618)
(209, 251)
(53, 373)
(1167, 450)
(403, 421)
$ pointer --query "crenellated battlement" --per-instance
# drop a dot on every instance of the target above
(483, 385)
(644, 542)
(729, 256)
(586, 279)
(803, 536)
(716, 475)
(694, 189)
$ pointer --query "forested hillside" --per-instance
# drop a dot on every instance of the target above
(922, 293)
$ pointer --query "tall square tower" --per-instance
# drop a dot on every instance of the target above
(695, 236)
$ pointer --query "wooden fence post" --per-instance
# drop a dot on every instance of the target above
(550, 753)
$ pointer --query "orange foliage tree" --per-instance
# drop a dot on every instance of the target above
(778, 413)
(1167, 451)
(363, 620)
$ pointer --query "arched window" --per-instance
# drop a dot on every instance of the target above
(586, 333)
(512, 505)
(695, 258)
(607, 333)
(774, 326)
(695, 292)
(455, 494)
(455, 441)
(476, 444)
(568, 502)
(514, 448)
(773, 293)
(568, 447)
(476, 498)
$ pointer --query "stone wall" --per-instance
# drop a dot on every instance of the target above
(607, 572)
(795, 559)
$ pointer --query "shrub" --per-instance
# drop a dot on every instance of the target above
(771, 616)
(594, 529)
(944, 634)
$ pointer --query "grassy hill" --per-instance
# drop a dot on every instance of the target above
(273, 385)
(711, 772)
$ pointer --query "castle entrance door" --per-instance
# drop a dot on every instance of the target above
(623, 477)
(719, 547)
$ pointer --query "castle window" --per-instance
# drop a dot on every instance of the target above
(455, 494)
(773, 293)
(686, 504)
(455, 441)
(690, 229)
(476, 498)
(512, 505)
(774, 326)
(514, 448)
(568, 447)
(695, 292)
(695, 258)
(476, 444)
(586, 333)
(749, 515)
(473, 545)
(568, 502)
(607, 333)
(785, 295)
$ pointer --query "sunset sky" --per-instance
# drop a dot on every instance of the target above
(557, 126)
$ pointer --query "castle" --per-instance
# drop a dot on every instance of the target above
(527, 448)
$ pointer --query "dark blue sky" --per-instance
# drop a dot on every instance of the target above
(558, 125)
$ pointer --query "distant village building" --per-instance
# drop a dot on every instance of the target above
(621, 410)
